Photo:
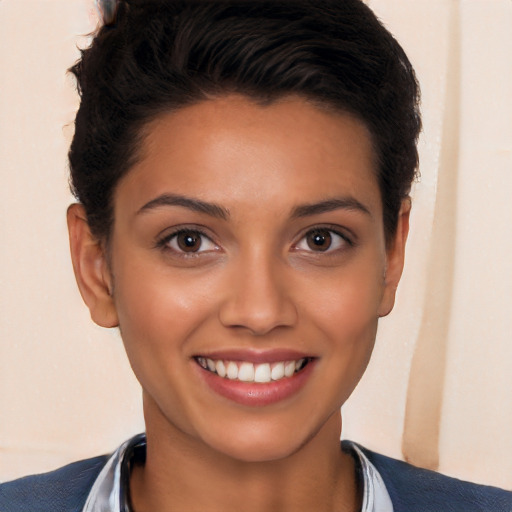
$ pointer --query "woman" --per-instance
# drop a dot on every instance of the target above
(242, 170)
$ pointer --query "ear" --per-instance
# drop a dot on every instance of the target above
(91, 268)
(395, 258)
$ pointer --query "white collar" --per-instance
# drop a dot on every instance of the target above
(109, 492)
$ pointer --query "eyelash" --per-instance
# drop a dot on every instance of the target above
(345, 239)
(164, 242)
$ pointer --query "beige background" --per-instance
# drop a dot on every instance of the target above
(438, 390)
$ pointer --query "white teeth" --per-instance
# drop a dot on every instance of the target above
(289, 368)
(277, 371)
(246, 372)
(221, 369)
(232, 370)
(262, 373)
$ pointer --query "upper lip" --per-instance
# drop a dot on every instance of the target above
(255, 356)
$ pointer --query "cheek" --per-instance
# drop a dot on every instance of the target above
(159, 312)
(345, 311)
(349, 320)
(158, 308)
(349, 301)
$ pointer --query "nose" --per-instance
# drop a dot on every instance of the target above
(259, 297)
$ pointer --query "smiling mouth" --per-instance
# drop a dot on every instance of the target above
(245, 371)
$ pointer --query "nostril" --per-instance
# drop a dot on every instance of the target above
(258, 320)
(258, 299)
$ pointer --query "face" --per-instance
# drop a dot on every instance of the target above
(248, 269)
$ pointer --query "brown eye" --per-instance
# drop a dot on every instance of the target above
(189, 241)
(319, 240)
(324, 240)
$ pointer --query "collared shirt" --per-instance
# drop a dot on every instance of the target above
(110, 492)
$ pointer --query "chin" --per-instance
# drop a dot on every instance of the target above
(260, 441)
(248, 448)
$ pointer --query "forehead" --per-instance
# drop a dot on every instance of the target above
(238, 153)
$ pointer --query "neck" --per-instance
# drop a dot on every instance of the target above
(182, 473)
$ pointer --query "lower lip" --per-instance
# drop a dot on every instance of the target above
(257, 394)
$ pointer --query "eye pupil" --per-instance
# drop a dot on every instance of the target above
(189, 242)
(319, 240)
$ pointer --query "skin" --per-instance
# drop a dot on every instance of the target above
(255, 283)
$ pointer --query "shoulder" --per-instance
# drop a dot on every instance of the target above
(421, 490)
(64, 489)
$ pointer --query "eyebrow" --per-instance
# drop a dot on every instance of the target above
(217, 211)
(212, 209)
(329, 205)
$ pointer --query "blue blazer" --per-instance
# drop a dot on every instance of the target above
(411, 489)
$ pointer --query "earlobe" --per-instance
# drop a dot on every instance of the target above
(91, 268)
(395, 259)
